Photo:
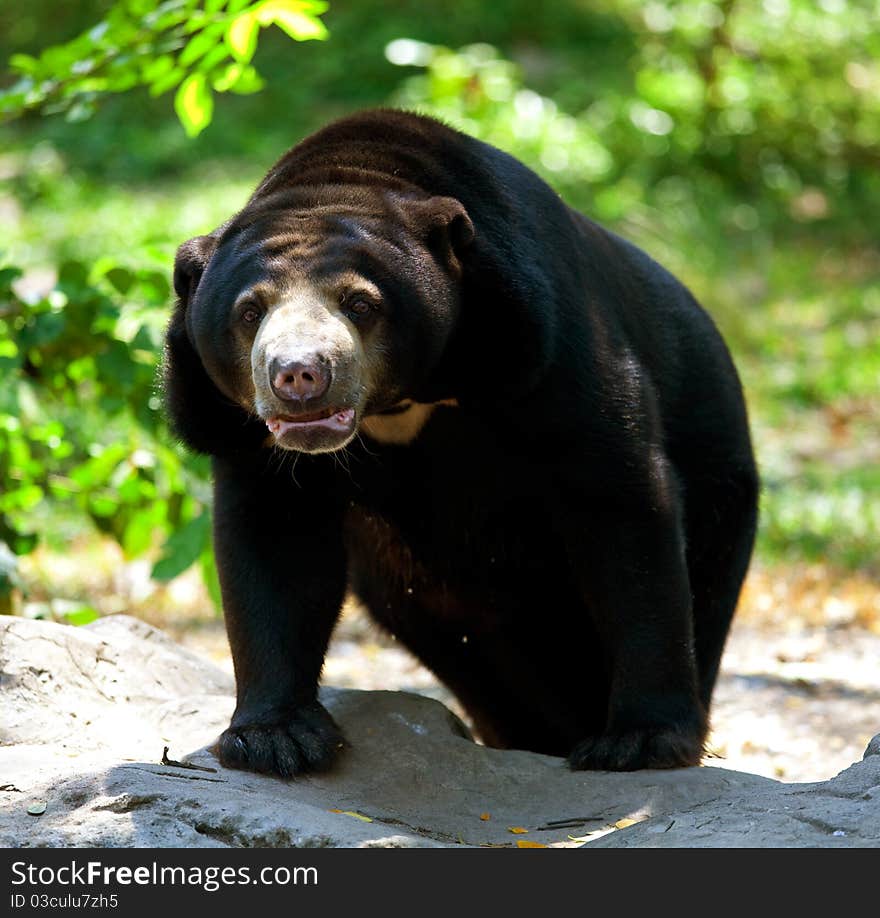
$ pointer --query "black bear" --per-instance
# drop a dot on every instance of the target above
(519, 441)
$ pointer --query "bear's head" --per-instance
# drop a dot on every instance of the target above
(316, 307)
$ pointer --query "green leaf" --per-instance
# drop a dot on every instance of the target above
(102, 507)
(198, 46)
(157, 67)
(167, 81)
(154, 287)
(227, 78)
(247, 82)
(138, 533)
(75, 613)
(8, 275)
(21, 543)
(288, 15)
(194, 104)
(147, 338)
(24, 63)
(210, 578)
(214, 57)
(72, 274)
(24, 498)
(241, 36)
(183, 548)
(121, 278)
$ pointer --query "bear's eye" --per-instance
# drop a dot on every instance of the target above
(250, 315)
(358, 308)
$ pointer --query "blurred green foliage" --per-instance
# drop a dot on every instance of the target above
(80, 419)
(736, 141)
(753, 118)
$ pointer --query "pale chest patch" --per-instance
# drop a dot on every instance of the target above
(402, 423)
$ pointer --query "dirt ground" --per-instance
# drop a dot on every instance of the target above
(798, 698)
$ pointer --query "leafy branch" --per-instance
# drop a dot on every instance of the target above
(197, 47)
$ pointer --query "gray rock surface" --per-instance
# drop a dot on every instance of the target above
(86, 712)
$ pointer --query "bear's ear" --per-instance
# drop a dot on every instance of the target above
(190, 263)
(444, 225)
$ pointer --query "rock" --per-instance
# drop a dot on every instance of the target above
(873, 747)
(87, 712)
(841, 813)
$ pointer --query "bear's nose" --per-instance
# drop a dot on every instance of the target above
(298, 380)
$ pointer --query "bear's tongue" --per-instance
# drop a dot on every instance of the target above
(331, 419)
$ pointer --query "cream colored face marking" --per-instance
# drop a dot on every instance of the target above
(306, 320)
(403, 427)
(303, 321)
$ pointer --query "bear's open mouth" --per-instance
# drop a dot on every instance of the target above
(340, 419)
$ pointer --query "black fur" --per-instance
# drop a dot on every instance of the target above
(564, 549)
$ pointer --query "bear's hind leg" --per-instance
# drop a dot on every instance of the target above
(721, 519)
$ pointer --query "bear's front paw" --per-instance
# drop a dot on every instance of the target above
(307, 740)
(633, 750)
